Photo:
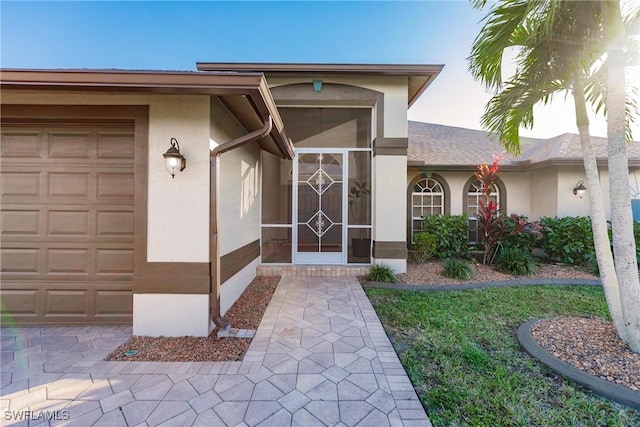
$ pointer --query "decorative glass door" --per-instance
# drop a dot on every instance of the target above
(320, 208)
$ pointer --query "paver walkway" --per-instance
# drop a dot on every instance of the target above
(320, 357)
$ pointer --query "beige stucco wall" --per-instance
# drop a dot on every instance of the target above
(540, 192)
(239, 198)
(544, 192)
(389, 198)
(517, 185)
(571, 205)
(176, 207)
(394, 88)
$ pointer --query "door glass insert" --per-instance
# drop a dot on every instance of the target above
(320, 202)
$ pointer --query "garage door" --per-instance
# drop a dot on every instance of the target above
(67, 221)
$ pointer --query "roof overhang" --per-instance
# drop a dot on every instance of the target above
(526, 165)
(420, 76)
(248, 91)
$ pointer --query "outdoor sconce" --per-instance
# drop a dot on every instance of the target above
(579, 190)
(174, 161)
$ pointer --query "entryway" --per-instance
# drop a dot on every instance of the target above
(319, 194)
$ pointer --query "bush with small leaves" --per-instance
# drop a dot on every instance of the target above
(381, 273)
(425, 245)
(457, 269)
(451, 232)
(568, 239)
(516, 261)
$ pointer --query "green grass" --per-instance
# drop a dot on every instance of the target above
(468, 368)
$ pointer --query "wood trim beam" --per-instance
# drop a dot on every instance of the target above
(233, 262)
(390, 250)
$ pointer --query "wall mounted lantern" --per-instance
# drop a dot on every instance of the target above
(579, 190)
(174, 161)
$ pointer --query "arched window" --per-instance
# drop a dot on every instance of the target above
(475, 193)
(428, 195)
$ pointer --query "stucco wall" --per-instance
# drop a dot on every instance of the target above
(516, 183)
(540, 192)
(176, 207)
(571, 205)
(394, 89)
(544, 192)
(239, 198)
(389, 198)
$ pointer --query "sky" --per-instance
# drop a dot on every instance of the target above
(164, 35)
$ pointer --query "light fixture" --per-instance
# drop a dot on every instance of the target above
(174, 161)
(579, 190)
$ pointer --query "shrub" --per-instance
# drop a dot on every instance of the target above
(425, 245)
(520, 233)
(381, 273)
(451, 232)
(568, 239)
(516, 261)
(457, 269)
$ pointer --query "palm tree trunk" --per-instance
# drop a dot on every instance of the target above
(598, 218)
(624, 246)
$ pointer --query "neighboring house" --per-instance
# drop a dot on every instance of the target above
(539, 182)
(94, 229)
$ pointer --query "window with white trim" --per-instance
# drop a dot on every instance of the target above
(427, 198)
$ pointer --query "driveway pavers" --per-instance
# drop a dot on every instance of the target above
(319, 357)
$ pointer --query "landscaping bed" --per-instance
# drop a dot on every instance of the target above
(246, 313)
(430, 273)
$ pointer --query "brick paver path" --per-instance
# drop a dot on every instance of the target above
(320, 357)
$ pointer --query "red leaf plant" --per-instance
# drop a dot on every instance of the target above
(491, 220)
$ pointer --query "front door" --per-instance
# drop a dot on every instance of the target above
(319, 218)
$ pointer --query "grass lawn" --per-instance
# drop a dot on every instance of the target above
(461, 352)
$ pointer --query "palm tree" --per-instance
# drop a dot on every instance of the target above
(558, 43)
(621, 216)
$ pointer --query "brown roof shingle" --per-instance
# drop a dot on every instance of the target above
(449, 146)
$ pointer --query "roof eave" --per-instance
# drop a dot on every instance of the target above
(136, 81)
(428, 72)
(252, 85)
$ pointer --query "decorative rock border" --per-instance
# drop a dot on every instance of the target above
(596, 384)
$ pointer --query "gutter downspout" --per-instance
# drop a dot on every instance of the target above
(214, 213)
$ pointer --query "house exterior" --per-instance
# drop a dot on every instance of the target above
(94, 229)
(286, 165)
(539, 182)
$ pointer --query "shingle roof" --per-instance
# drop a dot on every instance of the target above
(433, 144)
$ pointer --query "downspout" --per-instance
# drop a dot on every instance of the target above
(214, 242)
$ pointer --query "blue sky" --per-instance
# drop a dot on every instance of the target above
(175, 35)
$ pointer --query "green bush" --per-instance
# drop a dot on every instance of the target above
(519, 233)
(568, 239)
(451, 232)
(457, 269)
(516, 261)
(425, 244)
(381, 273)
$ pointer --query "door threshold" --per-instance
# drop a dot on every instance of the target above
(314, 270)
